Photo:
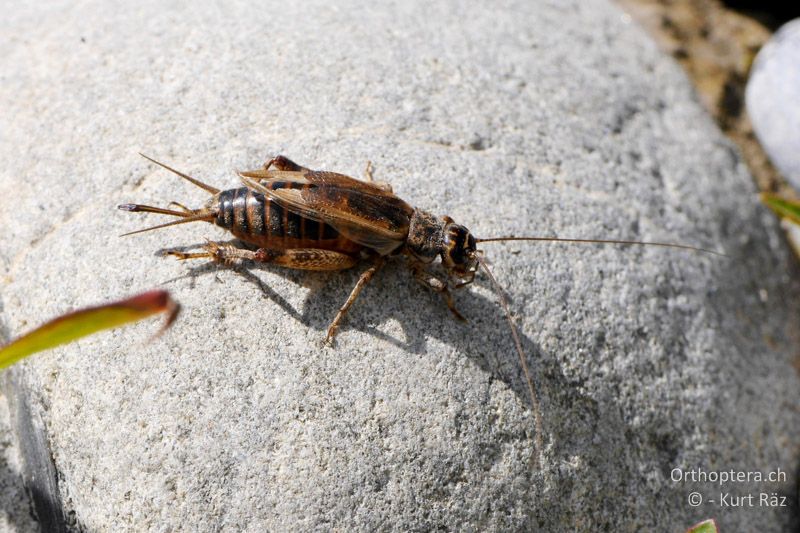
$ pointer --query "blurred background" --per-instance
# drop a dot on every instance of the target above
(716, 43)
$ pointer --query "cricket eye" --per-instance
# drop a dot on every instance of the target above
(459, 246)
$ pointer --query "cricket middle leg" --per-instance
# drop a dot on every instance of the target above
(366, 276)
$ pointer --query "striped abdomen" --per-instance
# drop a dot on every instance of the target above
(256, 219)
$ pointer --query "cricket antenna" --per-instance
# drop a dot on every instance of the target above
(604, 241)
(537, 416)
(204, 186)
(186, 217)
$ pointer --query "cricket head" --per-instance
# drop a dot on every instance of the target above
(459, 253)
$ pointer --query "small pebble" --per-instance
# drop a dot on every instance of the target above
(773, 100)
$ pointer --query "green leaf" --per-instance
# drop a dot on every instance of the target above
(783, 207)
(71, 326)
(706, 526)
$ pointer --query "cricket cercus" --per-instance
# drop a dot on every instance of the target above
(295, 217)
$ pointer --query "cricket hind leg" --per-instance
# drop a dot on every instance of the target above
(365, 278)
(297, 258)
(436, 284)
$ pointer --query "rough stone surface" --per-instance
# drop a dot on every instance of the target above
(524, 117)
(773, 99)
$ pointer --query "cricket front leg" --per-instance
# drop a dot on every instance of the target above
(297, 258)
(465, 281)
(434, 283)
(366, 276)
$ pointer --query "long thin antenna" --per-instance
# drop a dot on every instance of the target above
(204, 186)
(604, 241)
(537, 415)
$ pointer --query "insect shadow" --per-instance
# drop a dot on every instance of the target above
(483, 338)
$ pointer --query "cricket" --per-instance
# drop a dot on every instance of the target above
(291, 216)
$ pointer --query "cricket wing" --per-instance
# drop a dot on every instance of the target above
(282, 176)
(317, 177)
(363, 213)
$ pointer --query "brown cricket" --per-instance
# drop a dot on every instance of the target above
(318, 220)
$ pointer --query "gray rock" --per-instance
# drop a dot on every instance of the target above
(773, 99)
(15, 506)
(545, 118)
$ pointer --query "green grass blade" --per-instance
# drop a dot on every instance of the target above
(71, 326)
(706, 526)
(783, 207)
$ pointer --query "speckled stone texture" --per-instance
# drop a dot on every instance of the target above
(530, 117)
